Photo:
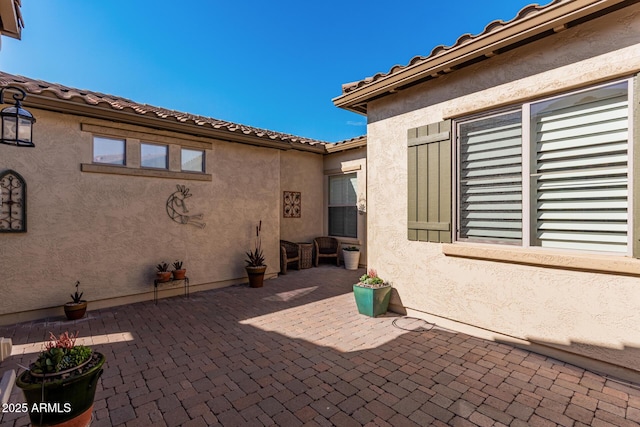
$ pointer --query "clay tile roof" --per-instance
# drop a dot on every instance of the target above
(39, 87)
(462, 40)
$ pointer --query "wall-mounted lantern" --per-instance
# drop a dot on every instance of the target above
(17, 123)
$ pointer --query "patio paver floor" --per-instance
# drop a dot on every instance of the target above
(296, 352)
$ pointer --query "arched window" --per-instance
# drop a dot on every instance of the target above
(13, 202)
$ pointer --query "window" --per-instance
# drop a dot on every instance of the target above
(192, 160)
(108, 150)
(553, 174)
(343, 210)
(153, 156)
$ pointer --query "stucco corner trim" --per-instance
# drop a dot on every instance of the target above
(149, 173)
(609, 264)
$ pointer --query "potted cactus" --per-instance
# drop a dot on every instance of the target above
(77, 307)
(178, 272)
(163, 274)
(255, 262)
(63, 379)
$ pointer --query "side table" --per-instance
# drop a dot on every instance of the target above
(156, 282)
(306, 254)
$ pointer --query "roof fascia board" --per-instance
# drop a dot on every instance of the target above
(9, 16)
(130, 117)
(548, 19)
(335, 148)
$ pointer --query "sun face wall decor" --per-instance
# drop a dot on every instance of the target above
(292, 204)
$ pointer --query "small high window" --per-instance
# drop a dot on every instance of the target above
(192, 160)
(108, 150)
(154, 156)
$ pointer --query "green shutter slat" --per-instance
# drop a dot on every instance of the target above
(429, 182)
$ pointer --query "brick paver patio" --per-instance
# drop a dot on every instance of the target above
(296, 352)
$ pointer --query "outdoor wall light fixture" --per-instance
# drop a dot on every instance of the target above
(17, 123)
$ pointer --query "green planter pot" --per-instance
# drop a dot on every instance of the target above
(67, 399)
(372, 302)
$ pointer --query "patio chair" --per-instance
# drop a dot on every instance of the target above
(327, 247)
(289, 252)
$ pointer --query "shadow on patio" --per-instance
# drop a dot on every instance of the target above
(297, 352)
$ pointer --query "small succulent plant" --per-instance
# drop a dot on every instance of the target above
(77, 297)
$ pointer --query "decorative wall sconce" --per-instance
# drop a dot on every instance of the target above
(17, 123)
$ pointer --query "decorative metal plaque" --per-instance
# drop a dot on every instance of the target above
(177, 209)
(13, 202)
(292, 204)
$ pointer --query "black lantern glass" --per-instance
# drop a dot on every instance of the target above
(17, 123)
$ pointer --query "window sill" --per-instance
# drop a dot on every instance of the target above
(146, 172)
(610, 264)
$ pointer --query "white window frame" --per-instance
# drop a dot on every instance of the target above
(527, 213)
(166, 155)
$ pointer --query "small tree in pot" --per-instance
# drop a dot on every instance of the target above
(255, 262)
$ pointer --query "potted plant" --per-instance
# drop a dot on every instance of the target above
(63, 380)
(163, 274)
(372, 294)
(77, 307)
(255, 262)
(351, 256)
(178, 272)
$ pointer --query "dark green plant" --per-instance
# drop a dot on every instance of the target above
(255, 258)
(177, 265)
(61, 353)
(77, 298)
(351, 248)
(163, 267)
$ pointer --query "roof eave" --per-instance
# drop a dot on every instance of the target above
(55, 104)
(348, 145)
(551, 19)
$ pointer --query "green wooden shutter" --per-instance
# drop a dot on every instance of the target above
(429, 176)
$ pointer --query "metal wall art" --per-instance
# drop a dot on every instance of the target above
(13, 202)
(177, 209)
(292, 204)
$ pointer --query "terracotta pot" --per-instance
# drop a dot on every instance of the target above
(75, 310)
(163, 276)
(179, 274)
(256, 275)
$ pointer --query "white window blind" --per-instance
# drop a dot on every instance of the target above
(343, 211)
(491, 179)
(580, 170)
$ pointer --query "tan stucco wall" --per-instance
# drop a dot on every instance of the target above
(302, 172)
(588, 313)
(109, 231)
(345, 162)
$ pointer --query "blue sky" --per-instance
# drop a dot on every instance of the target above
(269, 64)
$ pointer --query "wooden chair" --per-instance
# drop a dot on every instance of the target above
(289, 252)
(327, 247)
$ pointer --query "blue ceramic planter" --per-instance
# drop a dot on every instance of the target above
(372, 302)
